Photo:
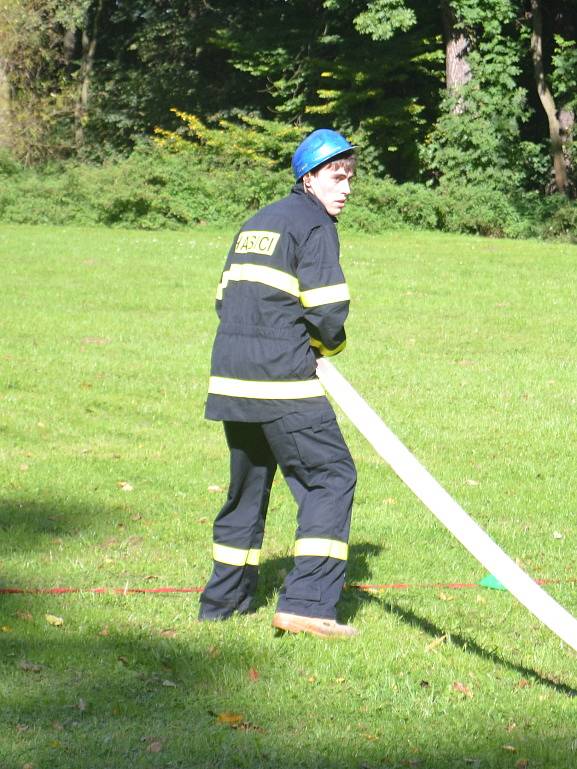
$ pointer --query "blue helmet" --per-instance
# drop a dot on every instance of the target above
(317, 148)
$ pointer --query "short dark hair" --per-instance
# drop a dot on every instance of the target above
(346, 160)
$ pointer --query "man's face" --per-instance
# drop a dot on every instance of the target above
(331, 186)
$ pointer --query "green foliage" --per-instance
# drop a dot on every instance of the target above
(159, 188)
(382, 18)
(249, 142)
(151, 189)
(37, 116)
(564, 71)
(384, 90)
(477, 138)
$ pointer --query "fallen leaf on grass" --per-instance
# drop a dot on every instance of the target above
(253, 675)
(340, 680)
(203, 520)
(509, 748)
(105, 631)
(523, 683)
(557, 535)
(462, 689)
(29, 667)
(154, 747)
(437, 642)
(213, 651)
(215, 489)
(5, 629)
(24, 468)
(230, 719)
(27, 766)
(471, 482)
(236, 721)
(97, 340)
(125, 486)
(52, 619)
(166, 682)
(511, 726)
(168, 633)
(22, 728)
(445, 597)
(522, 763)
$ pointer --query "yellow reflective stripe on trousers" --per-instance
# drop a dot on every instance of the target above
(315, 297)
(325, 350)
(246, 388)
(235, 556)
(331, 548)
(257, 273)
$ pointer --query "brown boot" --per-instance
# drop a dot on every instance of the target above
(324, 628)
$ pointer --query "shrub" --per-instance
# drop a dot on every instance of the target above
(479, 210)
(156, 188)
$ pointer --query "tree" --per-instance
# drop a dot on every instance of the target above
(477, 139)
(547, 98)
(457, 47)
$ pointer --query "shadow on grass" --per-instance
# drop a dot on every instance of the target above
(215, 696)
(467, 645)
(274, 570)
(34, 519)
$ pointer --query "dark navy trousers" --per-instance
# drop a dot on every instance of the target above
(317, 465)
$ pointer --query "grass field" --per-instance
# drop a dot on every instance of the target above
(110, 478)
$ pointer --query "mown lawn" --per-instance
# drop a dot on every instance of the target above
(110, 478)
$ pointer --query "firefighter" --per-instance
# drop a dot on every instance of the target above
(282, 301)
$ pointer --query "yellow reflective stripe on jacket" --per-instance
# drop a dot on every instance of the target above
(257, 273)
(235, 556)
(315, 297)
(330, 548)
(246, 388)
(325, 350)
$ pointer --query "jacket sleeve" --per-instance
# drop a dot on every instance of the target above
(223, 280)
(324, 294)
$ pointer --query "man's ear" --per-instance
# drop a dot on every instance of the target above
(307, 181)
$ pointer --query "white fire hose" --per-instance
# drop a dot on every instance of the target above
(444, 507)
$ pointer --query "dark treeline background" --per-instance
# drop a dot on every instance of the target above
(446, 95)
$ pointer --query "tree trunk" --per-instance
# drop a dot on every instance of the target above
(566, 124)
(5, 115)
(565, 25)
(69, 45)
(457, 70)
(89, 41)
(547, 100)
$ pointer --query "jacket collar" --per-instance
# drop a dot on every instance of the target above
(299, 189)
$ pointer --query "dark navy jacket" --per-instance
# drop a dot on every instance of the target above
(282, 301)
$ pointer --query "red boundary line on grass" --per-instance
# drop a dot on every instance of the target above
(168, 590)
